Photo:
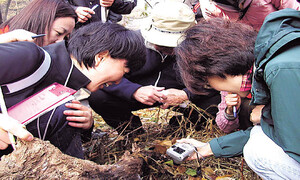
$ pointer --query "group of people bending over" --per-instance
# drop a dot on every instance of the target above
(181, 60)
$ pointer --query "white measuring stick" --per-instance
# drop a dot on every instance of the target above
(4, 112)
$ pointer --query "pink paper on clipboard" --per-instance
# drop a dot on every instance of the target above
(40, 103)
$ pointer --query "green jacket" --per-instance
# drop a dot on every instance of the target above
(276, 85)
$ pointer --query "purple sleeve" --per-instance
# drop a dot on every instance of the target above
(124, 89)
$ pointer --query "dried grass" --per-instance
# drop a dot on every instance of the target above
(152, 146)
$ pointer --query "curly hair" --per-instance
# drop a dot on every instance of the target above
(216, 47)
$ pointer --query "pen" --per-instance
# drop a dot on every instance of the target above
(94, 7)
(39, 35)
(4, 111)
(234, 112)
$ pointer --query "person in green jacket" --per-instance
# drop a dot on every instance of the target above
(220, 54)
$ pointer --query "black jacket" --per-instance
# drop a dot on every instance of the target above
(118, 7)
(19, 59)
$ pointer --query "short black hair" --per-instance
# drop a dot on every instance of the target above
(86, 42)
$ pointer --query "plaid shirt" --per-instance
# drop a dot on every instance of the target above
(247, 81)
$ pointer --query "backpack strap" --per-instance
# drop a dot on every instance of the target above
(243, 11)
(29, 80)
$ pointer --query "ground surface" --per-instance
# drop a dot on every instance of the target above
(108, 146)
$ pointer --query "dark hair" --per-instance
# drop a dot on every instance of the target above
(216, 47)
(86, 42)
(39, 15)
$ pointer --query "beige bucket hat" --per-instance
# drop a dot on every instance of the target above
(167, 22)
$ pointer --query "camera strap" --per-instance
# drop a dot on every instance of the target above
(199, 171)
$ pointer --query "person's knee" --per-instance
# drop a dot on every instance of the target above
(254, 160)
(98, 101)
(267, 159)
(249, 156)
(256, 151)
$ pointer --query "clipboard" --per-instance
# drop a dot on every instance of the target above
(40, 103)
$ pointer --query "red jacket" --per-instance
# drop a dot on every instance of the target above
(255, 14)
(5, 30)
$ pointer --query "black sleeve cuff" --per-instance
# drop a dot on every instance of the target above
(231, 117)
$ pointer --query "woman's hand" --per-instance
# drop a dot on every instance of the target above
(255, 115)
(149, 94)
(174, 97)
(8, 124)
(203, 149)
(84, 13)
(232, 100)
(16, 35)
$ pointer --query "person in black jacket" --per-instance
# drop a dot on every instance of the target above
(100, 56)
(101, 10)
(158, 82)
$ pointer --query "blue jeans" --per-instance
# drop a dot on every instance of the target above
(267, 159)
